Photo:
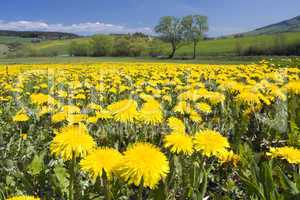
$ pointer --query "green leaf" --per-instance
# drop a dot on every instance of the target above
(160, 193)
(267, 179)
(62, 177)
(287, 183)
(252, 188)
(10, 181)
(203, 186)
(36, 165)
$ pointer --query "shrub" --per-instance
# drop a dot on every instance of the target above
(78, 49)
(121, 47)
(137, 47)
(155, 48)
(101, 45)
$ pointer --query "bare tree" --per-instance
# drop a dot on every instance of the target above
(194, 27)
(170, 30)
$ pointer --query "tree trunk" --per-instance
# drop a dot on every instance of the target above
(173, 51)
(195, 45)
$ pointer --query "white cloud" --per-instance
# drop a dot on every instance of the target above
(86, 28)
(89, 28)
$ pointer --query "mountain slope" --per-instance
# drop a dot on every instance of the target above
(38, 34)
(290, 25)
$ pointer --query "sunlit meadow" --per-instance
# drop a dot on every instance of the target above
(149, 131)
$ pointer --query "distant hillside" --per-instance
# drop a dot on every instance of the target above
(38, 34)
(216, 47)
(290, 25)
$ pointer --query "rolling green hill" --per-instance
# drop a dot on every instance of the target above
(38, 34)
(290, 25)
(3, 50)
(14, 39)
(6, 41)
(226, 46)
(59, 47)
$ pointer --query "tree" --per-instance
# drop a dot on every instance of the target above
(137, 47)
(121, 47)
(101, 45)
(170, 30)
(194, 27)
(155, 48)
(78, 49)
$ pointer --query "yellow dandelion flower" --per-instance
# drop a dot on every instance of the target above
(204, 107)
(179, 143)
(44, 85)
(182, 107)
(103, 114)
(215, 97)
(76, 118)
(210, 142)
(94, 106)
(92, 119)
(62, 94)
(144, 163)
(23, 198)
(151, 113)
(71, 109)
(248, 98)
(195, 117)
(291, 154)
(124, 110)
(228, 157)
(146, 97)
(59, 117)
(176, 125)
(24, 136)
(44, 110)
(5, 99)
(41, 98)
(102, 159)
(293, 87)
(191, 95)
(21, 116)
(72, 140)
(167, 98)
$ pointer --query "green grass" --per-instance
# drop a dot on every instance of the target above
(5, 40)
(3, 50)
(225, 46)
(228, 46)
(59, 46)
(89, 60)
(11, 39)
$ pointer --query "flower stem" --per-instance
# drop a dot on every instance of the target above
(72, 178)
(108, 194)
(140, 192)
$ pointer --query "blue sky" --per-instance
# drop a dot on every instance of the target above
(101, 16)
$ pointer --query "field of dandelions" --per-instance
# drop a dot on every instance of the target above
(149, 131)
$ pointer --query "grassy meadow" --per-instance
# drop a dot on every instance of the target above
(73, 60)
(216, 47)
(226, 46)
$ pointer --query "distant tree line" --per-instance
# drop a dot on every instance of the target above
(170, 29)
(107, 45)
(39, 34)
